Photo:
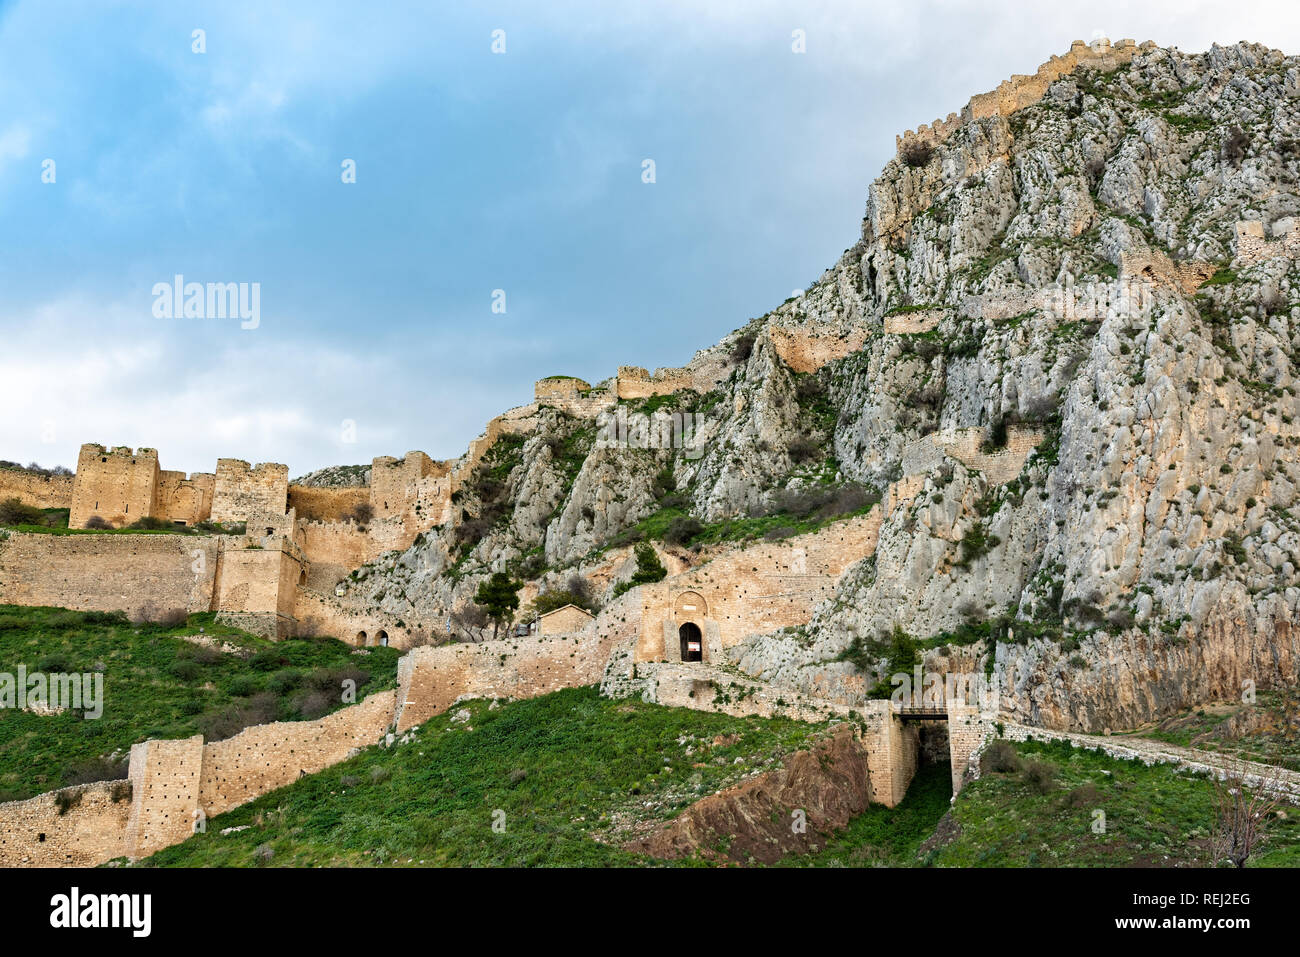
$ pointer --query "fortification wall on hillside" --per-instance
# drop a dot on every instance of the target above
(755, 590)
(79, 826)
(184, 499)
(964, 445)
(808, 348)
(1253, 247)
(36, 490)
(139, 574)
(431, 679)
(1023, 90)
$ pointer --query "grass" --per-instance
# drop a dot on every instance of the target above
(157, 685)
(1266, 731)
(1154, 816)
(568, 770)
(888, 837)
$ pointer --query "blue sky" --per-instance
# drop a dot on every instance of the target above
(475, 171)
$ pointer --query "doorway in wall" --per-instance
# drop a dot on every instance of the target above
(692, 642)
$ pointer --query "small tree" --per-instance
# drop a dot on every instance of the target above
(1240, 813)
(499, 596)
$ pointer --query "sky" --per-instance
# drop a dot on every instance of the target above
(500, 227)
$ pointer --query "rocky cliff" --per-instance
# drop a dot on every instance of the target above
(1071, 267)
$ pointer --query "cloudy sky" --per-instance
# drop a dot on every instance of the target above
(475, 171)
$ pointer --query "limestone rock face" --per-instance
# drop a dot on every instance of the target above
(1060, 359)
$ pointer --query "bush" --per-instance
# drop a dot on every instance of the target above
(1086, 795)
(96, 769)
(97, 523)
(804, 449)
(1040, 776)
(284, 680)
(682, 530)
(1234, 145)
(151, 524)
(1000, 757)
(743, 347)
(186, 669)
(14, 512)
(917, 153)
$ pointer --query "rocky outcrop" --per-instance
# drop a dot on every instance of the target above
(757, 819)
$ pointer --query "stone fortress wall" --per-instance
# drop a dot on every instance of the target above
(36, 490)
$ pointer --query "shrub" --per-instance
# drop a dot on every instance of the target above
(1234, 145)
(186, 669)
(1040, 776)
(917, 153)
(14, 512)
(1085, 795)
(743, 347)
(97, 523)
(682, 530)
(804, 449)
(151, 524)
(284, 680)
(363, 514)
(263, 853)
(1001, 757)
(95, 769)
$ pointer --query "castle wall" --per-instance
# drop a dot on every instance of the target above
(139, 574)
(333, 550)
(164, 778)
(430, 679)
(269, 756)
(90, 830)
(807, 349)
(634, 382)
(120, 485)
(242, 490)
(185, 499)
(38, 491)
(757, 589)
(999, 467)
(1253, 247)
(255, 589)
(327, 504)
(912, 323)
(322, 613)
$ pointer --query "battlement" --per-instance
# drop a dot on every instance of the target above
(634, 382)
(1023, 90)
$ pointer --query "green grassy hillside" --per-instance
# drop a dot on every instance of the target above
(158, 685)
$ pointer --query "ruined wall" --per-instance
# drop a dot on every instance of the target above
(38, 491)
(807, 349)
(327, 504)
(138, 574)
(912, 323)
(634, 382)
(1253, 247)
(999, 466)
(1024, 90)
(968, 729)
(184, 498)
(573, 396)
(242, 489)
(431, 679)
(755, 590)
(120, 485)
(90, 830)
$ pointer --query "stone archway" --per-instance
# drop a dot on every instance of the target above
(361, 639)
(692, 641)
(381, 638)
(690, 605)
